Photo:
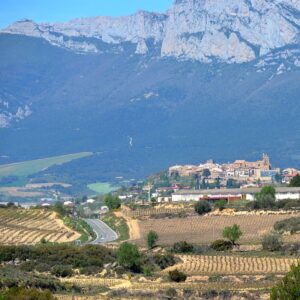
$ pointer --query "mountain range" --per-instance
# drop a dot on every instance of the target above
(205, 79)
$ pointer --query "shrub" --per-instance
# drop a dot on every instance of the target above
(183, 247)
(295, 182)
(14, 277)
(164, 261)
(171, 293)
(64, 254)
(221, 245)
(129, 257)
(28, 266)
(221, 204)
(210, 294)
(288, 204)
(272, 242)
(291, 225)
(90, 270)
(253, 205)
(62, 271)
(289, 287)
(17, 293)
(42, 267)
(177, 276)
(148, 269)
(152, 238)
(202, 207)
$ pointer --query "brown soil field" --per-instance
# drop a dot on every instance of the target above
(29, 226)
(206, 229)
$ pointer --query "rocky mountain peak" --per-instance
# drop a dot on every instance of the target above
(232, 31)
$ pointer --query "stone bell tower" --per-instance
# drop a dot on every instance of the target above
(266, 162)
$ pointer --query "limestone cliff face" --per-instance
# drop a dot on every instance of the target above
(232, 31)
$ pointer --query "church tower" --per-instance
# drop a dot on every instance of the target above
(266, 162)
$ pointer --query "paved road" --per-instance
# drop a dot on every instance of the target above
(104, 233)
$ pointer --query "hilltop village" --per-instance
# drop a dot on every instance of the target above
(238, 180)
(241, 171)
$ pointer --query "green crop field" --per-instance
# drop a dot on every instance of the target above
(26, 168)
(102, 187)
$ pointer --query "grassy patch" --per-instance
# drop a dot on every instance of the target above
(82, 227)
(102, 187)
(23, 169)
(119, 225)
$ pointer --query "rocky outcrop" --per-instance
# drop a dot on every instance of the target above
(232, 31)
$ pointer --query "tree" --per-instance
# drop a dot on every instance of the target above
(152, 238)
(267, 201)
(206, 173)
(129, 257)
(289, 287)
(278, 178)
(218, 182)
(153, 201)
(266, 191)
(232, 233)
(266, 198)
(60, 209)
(295, 182)
(112, 202)
(272, 242)
(202, 207)
(231, 183)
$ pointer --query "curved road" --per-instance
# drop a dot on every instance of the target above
(104, 233)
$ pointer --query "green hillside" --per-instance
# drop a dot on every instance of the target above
(26, 168)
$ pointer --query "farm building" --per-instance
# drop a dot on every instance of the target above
(232, 194)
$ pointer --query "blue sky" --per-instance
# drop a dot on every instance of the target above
(63, 10)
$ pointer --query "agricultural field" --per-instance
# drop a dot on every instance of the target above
(153, 287)
(102, 187)
(154, 212)
(31, 190)
(30, 226)
(225, 265)
(23, 169)
(206, 229)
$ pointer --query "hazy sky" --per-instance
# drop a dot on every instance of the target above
(63, 10)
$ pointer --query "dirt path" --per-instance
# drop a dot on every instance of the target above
(133, 225)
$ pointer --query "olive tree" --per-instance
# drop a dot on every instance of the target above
(233, 233)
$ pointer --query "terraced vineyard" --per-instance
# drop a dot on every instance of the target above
(30, 226)
(204, 264)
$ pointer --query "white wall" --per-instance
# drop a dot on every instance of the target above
(283, 196)
(185, 198)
